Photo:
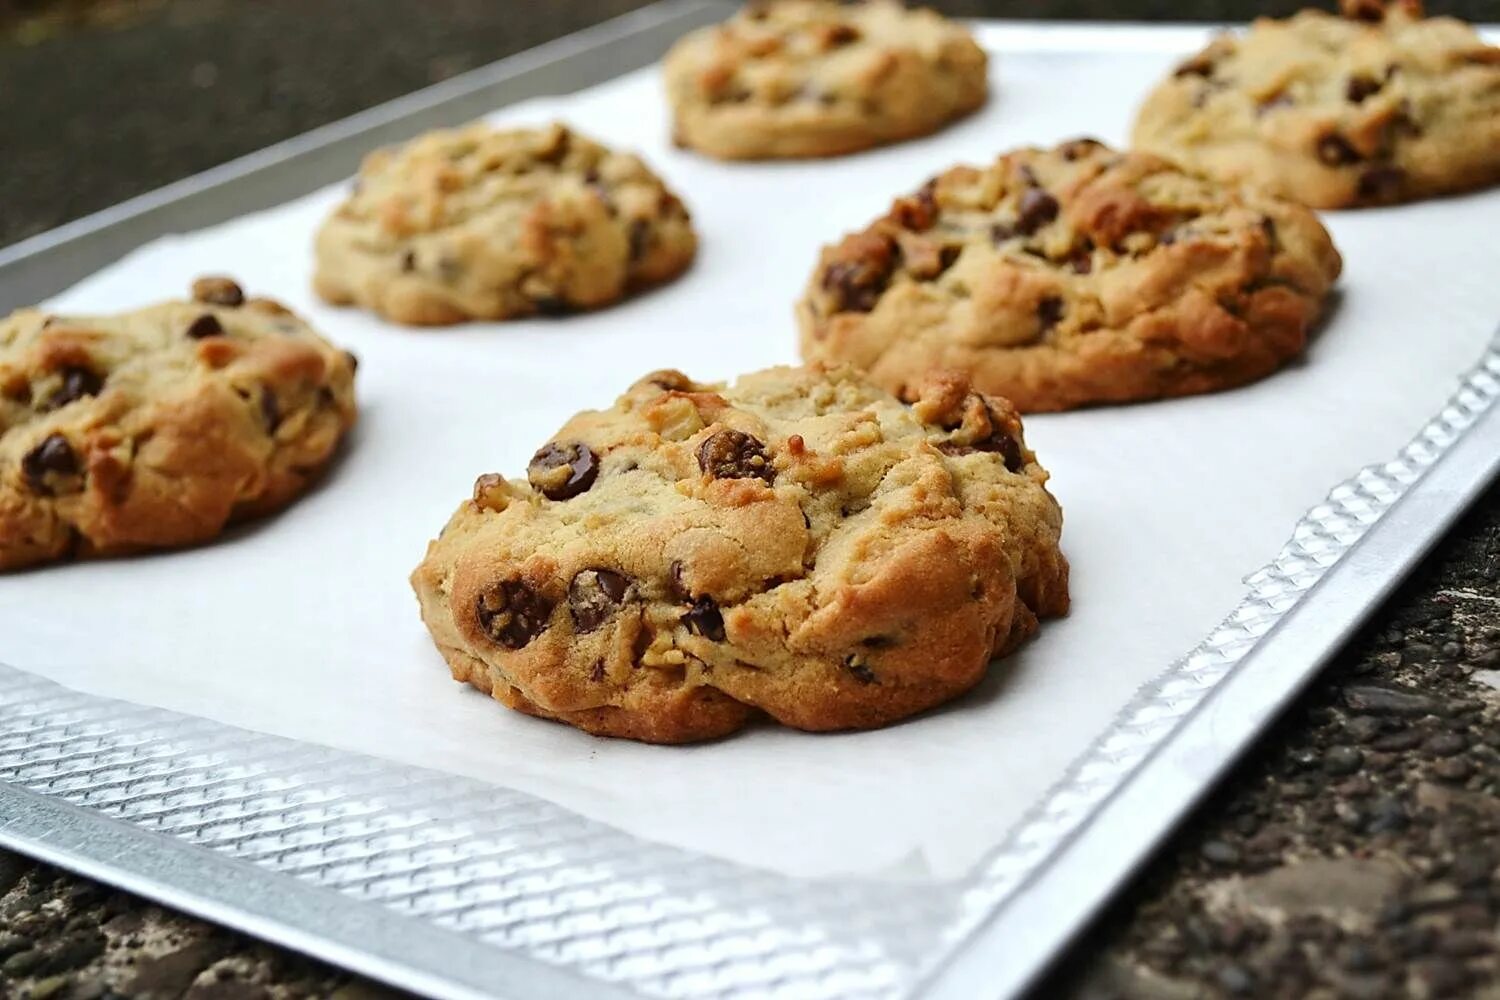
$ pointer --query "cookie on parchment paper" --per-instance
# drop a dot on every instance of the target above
(1381, 105)
(799, 544)
(157, 428)
(1069, 276)
(810, 78)
(480, 223)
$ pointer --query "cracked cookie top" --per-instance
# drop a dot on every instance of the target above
(800, 544)
(157, 427)
(799, 78)
(1073, 275)
(1381, 105)
(485, 223)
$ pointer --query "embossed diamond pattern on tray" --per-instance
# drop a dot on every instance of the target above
(521, 874)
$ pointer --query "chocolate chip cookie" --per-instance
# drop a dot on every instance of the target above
(1382, 105)
(799, 544)
(1072, 275)
(485, 223)
(798, 78)
(156, 428)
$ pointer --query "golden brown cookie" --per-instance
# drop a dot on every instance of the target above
(485, 223)
(1379, 106)
(799, 78)
(1068, 276)
(799, 544)
(156, 428)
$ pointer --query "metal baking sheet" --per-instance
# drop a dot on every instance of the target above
(452, 886)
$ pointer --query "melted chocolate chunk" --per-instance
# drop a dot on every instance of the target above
(1049, 311)
(1334, 151)
(731, 454)
(54, 455)
(562, 471)
(218, 292)
(1077, 148)
(1199, 65)
(594, 596)
(704, 619)
(77, 382)
(1361, 86)
(670, 380)
(858, 281)
(675, 586)
(206, 325)
(639, 237)
(270, 410)
(995, 441)
(1037, 209)
(512, 613)
(1381, 183)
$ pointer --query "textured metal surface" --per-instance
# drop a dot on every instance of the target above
(455, 887)
(511, 872)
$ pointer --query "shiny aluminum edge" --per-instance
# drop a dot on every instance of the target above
(276, 837)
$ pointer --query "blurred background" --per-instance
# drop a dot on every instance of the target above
(104, 99)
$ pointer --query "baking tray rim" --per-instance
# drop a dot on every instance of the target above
(1025, 924)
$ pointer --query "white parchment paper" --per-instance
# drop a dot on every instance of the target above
(304, 625)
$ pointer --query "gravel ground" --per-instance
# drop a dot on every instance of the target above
(1352, 856)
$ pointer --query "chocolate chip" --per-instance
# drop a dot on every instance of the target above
(1199, 65)
(841, 34)
(861, 673)
(552, 305)
(512, 613)
(676, 586)
(1049, 311)
(408, 262)
(847, 278)
(704, 619)
(670, 381)
(1279, 100)
(54, 454)
(77, 382)
(639, 236)
(732, 454)
(1000, 232)
(878, 642)
(1360, 86)
(1077, 148)
(860, 277)
(996, 440)
(206, 325)
(218, 292)
(1037, 209)
(1082, 261)
(270, 411)
(594, 595)
(1382, 183)
(562, 471)
(1334, 151)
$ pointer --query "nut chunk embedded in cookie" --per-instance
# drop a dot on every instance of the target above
(797, 78)
(156, 428)
(1073, 275)
(485, 223)
(799, 544)
(1381, 105)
